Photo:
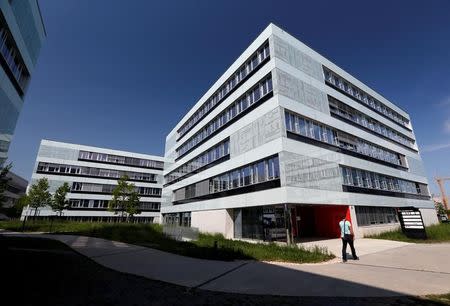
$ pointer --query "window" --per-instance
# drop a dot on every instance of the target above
(235, 178)
(260, 172)
(367, 215)
(316, 128)
(246, 176)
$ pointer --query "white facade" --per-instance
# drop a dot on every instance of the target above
(339, 147)
(91, 173)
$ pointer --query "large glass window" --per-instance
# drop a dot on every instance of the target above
(254, 173)
(371, 180)
(367, 215)
(318, 131)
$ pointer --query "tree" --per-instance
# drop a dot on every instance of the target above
(59, 201)
(38, 195)
(4, 179)
(439, 208)
(125, 198)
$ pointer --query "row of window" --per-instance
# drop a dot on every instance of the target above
(94, 172)
(258, 172)
(318, 131)
(109, 219)
(12, 57)
(248, 99)
(108, 189)
(82, 203)
(180, 219)
(341, 83)
(254, 61)
(122, 160)
(372, 180)
(367, 215)
(345, 111)
(213, 154)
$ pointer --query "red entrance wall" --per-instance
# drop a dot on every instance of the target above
(327, 220)
(318, 221)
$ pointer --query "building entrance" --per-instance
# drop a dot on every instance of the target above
(306, 221)
(310, 221)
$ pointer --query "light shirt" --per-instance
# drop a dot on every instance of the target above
(345, 227)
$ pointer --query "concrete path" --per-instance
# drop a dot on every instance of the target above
(363, 246)
(408, 269)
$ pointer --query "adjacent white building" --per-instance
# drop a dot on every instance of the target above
(285, 136)
(92, 174)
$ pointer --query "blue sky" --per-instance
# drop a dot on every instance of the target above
(121, 76)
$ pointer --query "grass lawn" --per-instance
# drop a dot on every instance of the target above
(436, 233)
(444, 299)
(151, 235)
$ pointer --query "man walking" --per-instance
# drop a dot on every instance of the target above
(347, 236)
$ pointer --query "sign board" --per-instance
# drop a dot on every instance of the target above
(412, 222)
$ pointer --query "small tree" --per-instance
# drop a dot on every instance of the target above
(4, 183)
(59, 201)
(132, 205)
(439, 208)
(125, 198)
(38, 195)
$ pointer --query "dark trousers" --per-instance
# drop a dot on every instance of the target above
(349, 240)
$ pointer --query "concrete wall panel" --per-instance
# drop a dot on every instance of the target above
(304, 93)
(257, 133)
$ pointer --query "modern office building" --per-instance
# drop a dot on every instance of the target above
(287, 138)
(92, 174)
(21, 35)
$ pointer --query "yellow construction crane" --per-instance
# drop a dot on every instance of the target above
(440, 181)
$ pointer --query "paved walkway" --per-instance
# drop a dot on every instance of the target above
(407, 269)
(363, 246)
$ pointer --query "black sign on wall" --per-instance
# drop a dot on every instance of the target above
(412, 222)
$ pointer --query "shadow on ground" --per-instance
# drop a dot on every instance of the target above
(50, 273)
